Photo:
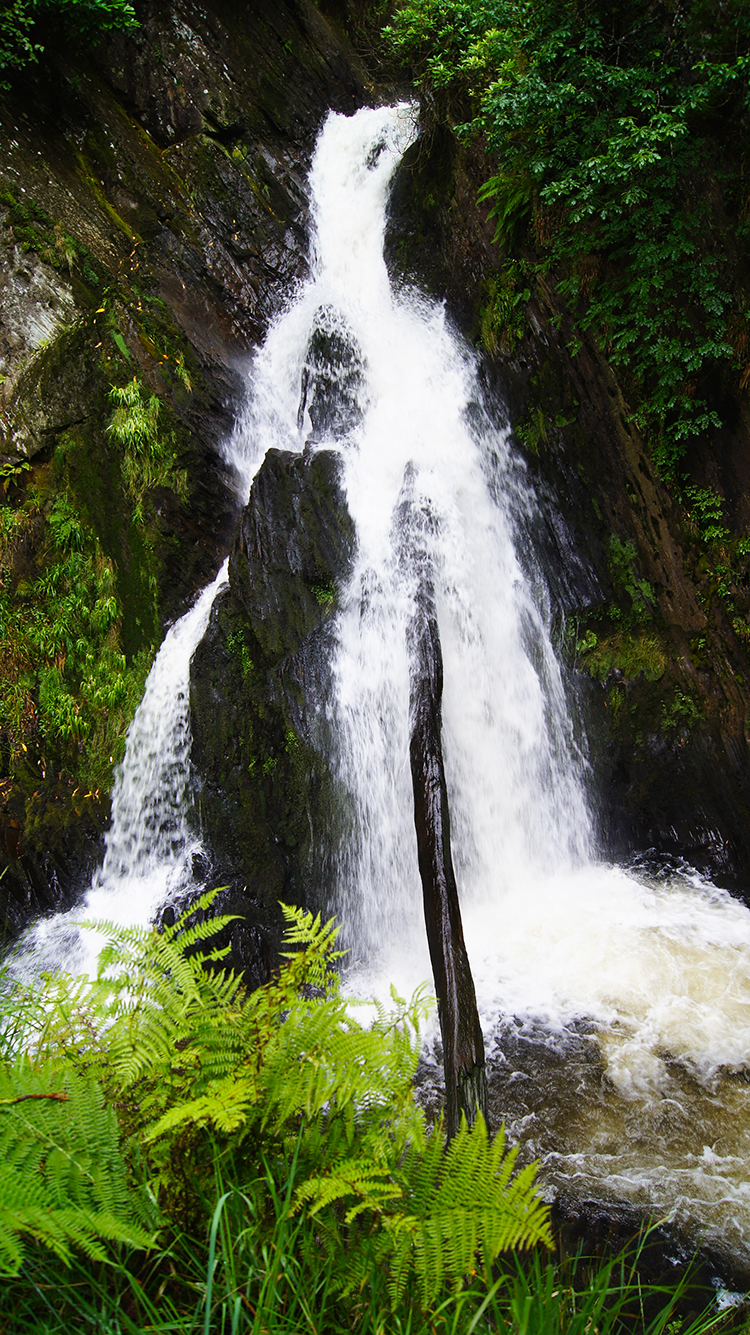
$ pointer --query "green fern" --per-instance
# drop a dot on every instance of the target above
(459, 1205)
(204, 1073)
(439, 1212)
(301, 1056)
(64, 1181)
(183, 1048)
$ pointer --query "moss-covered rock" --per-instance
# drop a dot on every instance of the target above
(153, 215)
(663, 679)
(271, 812)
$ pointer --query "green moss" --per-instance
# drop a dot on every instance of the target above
(237, 646)
(628, 652)
(502, 317)
(325, 595)
(36, 230)
(532, 432)
(96, 189)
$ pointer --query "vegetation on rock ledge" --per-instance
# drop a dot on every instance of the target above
(27, 25)
(617, 133)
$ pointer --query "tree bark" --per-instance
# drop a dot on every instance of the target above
(463, 1044)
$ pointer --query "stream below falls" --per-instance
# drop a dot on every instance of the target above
(615, 1001)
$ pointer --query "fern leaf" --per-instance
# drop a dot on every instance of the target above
(460, 1205)
(370, 1182)
(64, 1181)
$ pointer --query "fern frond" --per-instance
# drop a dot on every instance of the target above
(64, 1181)
(460, 1205)
(182, 1048)
(224, 1106)
(370, 1182)
(316, 940)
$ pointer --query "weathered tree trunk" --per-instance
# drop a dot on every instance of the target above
(463, 1045)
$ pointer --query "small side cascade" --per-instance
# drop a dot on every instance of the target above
(150, 847)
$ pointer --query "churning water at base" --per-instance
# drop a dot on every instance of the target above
(615, 1005)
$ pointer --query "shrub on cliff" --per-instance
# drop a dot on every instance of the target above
(617, 133)
(27, 25)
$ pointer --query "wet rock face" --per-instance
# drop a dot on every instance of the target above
(36, 303)
(294, 542)
(153, 215)
(668, 738)
(271, 814)
(332, 379)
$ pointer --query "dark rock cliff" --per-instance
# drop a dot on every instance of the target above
(270, 810)
(152, 216)
(656, 642)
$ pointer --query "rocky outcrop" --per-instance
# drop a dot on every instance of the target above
(270, 810)
(153, 214)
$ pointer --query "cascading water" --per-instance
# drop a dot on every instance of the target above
(149, 847)
(623, 1000)
(618, 1002)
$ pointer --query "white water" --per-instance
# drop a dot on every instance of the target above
(652, 974)
(656, 969)
(149, 846)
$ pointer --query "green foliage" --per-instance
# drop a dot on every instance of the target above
(206, 1076)
(682, 713)
(65, 681)
(706, 509)
(35, 229)
(237, 646)
(605, 124)
(147, 460)
(502, 318)
(622, 560)
(64, 1181)
(462, 1204)
(325, 595)
(537, 1298)
(621, 636)
(16, 47)
(533, 431)
(296, 1186)
(723, 566)
(629, 651)
(189, 1051)
(27, 25)
(11, 471)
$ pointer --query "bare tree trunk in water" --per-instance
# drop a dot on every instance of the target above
(463, 1045)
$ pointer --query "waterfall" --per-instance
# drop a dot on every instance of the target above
(615, 1002)
(149, 847)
